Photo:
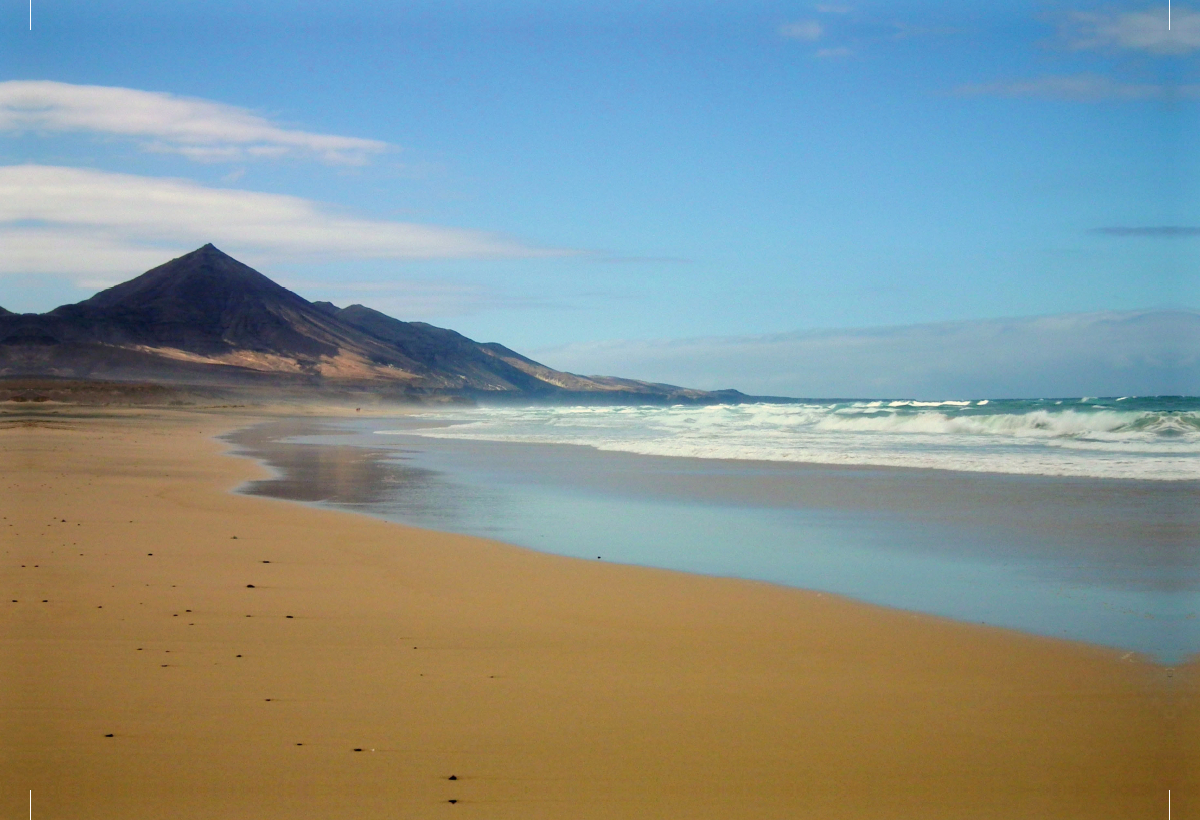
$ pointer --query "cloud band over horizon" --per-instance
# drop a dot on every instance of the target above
(1114, 353)
(82, 222)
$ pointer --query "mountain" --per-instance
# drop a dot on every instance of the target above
(207, 318)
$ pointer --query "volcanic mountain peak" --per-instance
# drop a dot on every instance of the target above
(207, 303)
(205, 278)
(206, 316)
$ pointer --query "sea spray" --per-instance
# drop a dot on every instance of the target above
(1128, 437)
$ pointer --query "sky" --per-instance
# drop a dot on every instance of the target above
(603, 186)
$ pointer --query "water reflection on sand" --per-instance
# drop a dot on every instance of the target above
(1111, 562)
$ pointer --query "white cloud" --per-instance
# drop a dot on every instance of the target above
(92, 256)
(1085, 87)
(1128, 353)
(804, 30)
(198, 129)
(1136, 31)
(85, 222)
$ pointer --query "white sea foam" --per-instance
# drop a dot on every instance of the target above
(1143, 441)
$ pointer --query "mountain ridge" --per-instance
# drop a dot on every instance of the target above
(207, 317)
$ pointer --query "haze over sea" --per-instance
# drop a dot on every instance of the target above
(1073, 518)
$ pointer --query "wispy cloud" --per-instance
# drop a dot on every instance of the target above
(1112, 353)
(1083, 87)
(198, 129)
(1144, 30)
(84, 222)
(842, 32)
(1155, 231)
(418, 299)
(809, 30)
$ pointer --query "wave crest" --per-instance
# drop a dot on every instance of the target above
(1135, 438)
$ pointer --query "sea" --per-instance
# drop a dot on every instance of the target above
(1074, 518)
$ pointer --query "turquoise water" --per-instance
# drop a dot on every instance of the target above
(1111, 561)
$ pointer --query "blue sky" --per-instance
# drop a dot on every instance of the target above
(563, 175)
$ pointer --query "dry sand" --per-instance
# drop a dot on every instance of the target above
(550, 687)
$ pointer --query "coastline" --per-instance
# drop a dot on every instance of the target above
(549, 686)
(1091, 560)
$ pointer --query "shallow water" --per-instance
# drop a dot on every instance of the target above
(1107, 561)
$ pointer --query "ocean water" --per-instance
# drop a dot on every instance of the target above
(1126, 437)
(1077, 520)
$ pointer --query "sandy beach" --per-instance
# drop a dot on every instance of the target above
(171, 649)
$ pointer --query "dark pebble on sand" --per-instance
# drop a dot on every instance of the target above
(452, 777)
(249, 586)
(291, 616)
(358, 750)
(453, 801)
(108, 735)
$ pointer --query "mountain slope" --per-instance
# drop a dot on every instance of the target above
(207, 317)
(204, 302)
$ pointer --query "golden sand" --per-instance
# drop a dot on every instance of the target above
(548, 687)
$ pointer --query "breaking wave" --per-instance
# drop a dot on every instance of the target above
(1127, 437)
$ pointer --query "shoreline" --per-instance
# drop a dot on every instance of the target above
(1014, 541)
(556, 687)
(323, 505)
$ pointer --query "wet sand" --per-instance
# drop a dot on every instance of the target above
(549, 687)
(1101, 561)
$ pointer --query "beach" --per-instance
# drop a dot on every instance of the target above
(253, 657)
